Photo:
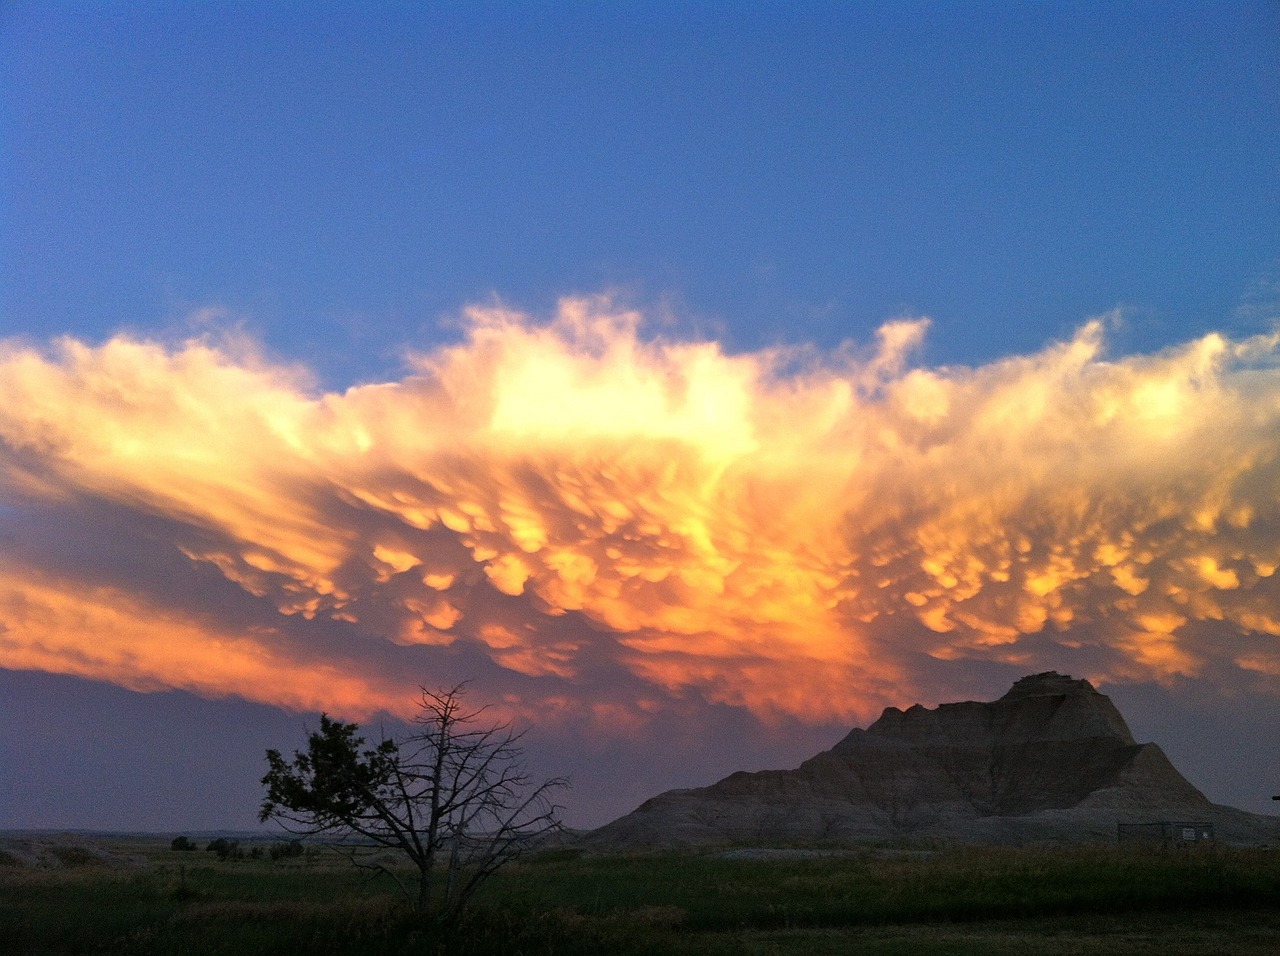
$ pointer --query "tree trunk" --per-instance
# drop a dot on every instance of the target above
(454, 862)
(424, 889)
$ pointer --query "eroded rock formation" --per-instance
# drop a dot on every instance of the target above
(1050, 760)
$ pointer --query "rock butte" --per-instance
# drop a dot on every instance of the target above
(1051, 760)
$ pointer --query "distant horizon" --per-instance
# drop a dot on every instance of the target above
(251, 797)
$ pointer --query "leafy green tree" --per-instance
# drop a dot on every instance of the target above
(452, 797)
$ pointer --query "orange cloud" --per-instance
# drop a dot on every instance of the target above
(572, 503)
(104, 634)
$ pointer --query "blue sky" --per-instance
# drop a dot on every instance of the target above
(340, 181)
(342, 178)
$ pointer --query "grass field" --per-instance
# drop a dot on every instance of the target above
(878, 901)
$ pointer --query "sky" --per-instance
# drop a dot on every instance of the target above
(694, 380)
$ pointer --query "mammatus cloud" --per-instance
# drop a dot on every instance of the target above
(611, 524)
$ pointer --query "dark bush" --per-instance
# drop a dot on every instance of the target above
(226, 849)
(182, 843)
(74, 855)
(281, 851)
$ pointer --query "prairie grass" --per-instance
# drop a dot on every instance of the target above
(1015, 901)
(872, 888)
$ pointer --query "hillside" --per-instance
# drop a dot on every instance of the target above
(1050, 760)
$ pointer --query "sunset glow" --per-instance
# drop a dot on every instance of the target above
(578, 501)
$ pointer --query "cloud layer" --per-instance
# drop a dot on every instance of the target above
(604, 526)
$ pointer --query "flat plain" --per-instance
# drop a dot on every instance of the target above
(136, 895)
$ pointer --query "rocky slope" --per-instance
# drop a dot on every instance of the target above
(1050, 760)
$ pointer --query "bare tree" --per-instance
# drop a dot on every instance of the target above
(455, 792)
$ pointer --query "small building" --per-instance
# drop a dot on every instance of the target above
(1165, 832)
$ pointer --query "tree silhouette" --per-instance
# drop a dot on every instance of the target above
(455, 792)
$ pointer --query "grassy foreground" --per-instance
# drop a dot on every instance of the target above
(1024, 902)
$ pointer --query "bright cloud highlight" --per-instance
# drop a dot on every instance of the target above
(608, 523)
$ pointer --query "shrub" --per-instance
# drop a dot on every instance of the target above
(226, 849)
(285, 850)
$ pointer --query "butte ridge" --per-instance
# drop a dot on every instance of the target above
(1051, 760)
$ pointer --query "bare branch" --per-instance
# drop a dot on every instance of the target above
(456, 786)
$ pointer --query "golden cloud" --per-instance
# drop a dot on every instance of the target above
(790, 532)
